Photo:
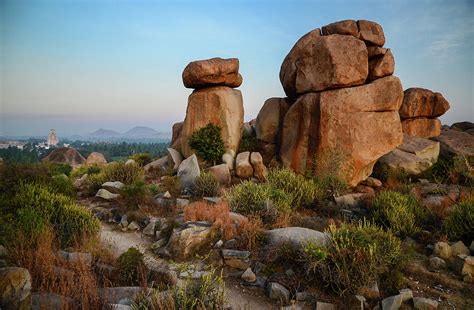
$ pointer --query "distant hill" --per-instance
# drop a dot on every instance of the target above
(141, 132)
(104, 133)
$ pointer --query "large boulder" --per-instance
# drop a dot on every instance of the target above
(15, 288)
(65, 155)
(174, 158)
(422, 127)
(176, 136)
(380, 66)
(157, 165)
(189, 238)
(222, 106)
(270, 118)
(295, 237)
(96, 158)
(420, 147)
(318, 62)
(212, 72)
(189, 171)
(456, 143)
(420, 102)
(398, 160)
(347, 121)
(371, 32)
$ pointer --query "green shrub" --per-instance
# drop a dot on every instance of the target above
(116, 171)
(62, 184)
(12, 175)
(400, 212)
(261, 199)
(70, 222)
(206, 185)
(56, 168)
(172, 185)
(131, 267)
(86, 169)
(459, 225)
(141, 158)
(358, 256)
(207, 292)
(328, 186)
(302, 190)
(249, 143)
(456, 170)
(208, 144)
(135, 194)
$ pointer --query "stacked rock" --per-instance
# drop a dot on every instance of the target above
(342, 98)
(419, 112)
(214, 100)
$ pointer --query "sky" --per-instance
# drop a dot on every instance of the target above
(77, 66)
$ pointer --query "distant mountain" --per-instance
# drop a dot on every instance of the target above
(104, 133)
(141, 132)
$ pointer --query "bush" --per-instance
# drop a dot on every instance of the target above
(131, 267)
(70, 222)
(358, 256)
(62, 184)
(206, 185)
(302, 190)
(328, 186)
(400, 212)
(116, 171)
(208, 144)
(172, 185)
(248, 143)
(134, 194)
(459, 225)
(455, 170)
(141, 158)
(249, 197)
(86, 169)
(12, 175)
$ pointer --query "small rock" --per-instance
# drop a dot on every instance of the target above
(218, 244)
(303, 296)
(15, 288)
(76, 257)
(130, 162)
(213, 200)
(149, 230)
(133, 226)
(325, 306)
(158, 244)
(295, 236)
(230, 244)
(181, 203)
(260, 172)
(349, 200)
(167, 195)
(113, 187)
(437, 263)
(425, 303)
(406, 294)
(373, 182)
(443, 250)
(243, 168)
(124, 221)
(249, 276)
(235, 254)
(392, 303)
(276, 291)
(188, 238)
(105, 194)
(241, 264)
(189, 171)
(459, 248)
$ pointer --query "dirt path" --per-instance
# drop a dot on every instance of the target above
(239, 297)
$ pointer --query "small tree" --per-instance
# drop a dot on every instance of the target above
(208, 143)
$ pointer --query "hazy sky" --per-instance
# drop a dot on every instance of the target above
(80, 65)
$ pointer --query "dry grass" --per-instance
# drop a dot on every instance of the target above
(251, 233)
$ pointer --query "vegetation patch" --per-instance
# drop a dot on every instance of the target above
(206, 185)
(208, 144)
(131, 267)
(459, 225)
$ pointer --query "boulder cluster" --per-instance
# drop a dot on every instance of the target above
(214, 100)
(342, 97)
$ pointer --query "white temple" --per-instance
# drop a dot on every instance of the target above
(52, 138)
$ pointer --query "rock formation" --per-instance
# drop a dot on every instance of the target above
(342, 98)
(419, 112)
(52, 138)
(214, 101)
(65, 155)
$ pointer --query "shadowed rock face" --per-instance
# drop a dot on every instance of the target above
(65, 155)
(212, 72)
(361, 123)
(222, 106)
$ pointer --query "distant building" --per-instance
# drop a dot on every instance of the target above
(52, 138)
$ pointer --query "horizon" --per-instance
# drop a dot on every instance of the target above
(83, 65)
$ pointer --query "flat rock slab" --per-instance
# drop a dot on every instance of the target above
(421, 147)
(398, 160)
(295, 236)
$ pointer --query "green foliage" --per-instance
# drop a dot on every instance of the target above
(116, 171)
(70, 222)
(358, 256)
(12, 175)
(207, 292)
(261, 199)
(141, 158)
(459, 225)
(131, 267)
(400, 212)
(302, 190)
(328, 186)
(456, 170)
(135, 194)
(208, 144)
(86, 169)
(172, 185)
(206, 185)
(61, 184)
(249, 143)
(56, 168)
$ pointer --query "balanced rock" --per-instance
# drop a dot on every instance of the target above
(243, 168)
(96, 158)
(345, 27)
(422, 127)
(347, 120)
(420, 102)
(318, 62)
(270, 118)
(212, 72)
(222, 106)
(189, 171)
(371, 32)
(65, 155)
(382, 65)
